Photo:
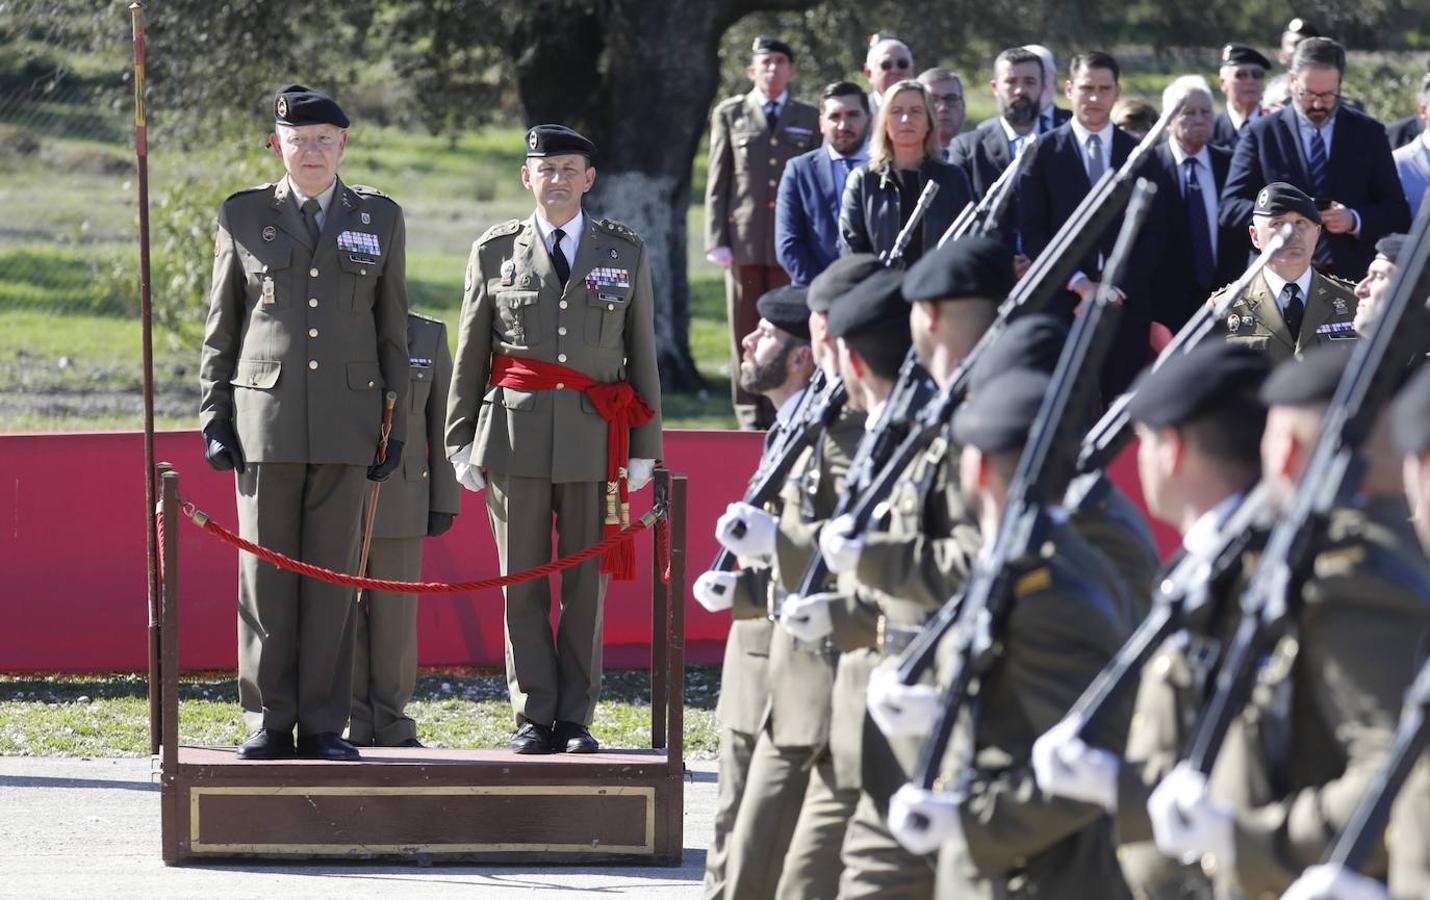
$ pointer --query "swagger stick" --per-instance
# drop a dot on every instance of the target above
(389, 401)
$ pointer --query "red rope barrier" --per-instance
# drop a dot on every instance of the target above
(208, 525)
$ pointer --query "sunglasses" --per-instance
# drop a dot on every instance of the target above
(888, 64)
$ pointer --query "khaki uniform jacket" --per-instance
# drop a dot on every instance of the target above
(1255, 320)
(1064, 625)
(426, 482)
(746, 162)
(602, 324)
(1325, 708)
(302, 341)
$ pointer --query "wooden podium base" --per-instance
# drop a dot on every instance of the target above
(431, 805)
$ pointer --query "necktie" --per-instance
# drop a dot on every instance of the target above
(842, 167)
(772, 114)
(1318, 161)
(1294, 310)
(310, 218)
(1203, 263)
(558, 256)
(1094, 158)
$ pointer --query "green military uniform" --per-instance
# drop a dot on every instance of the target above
(795, 725)
(1256, 321)
(747, 156)
(303, 338)
(385, 652)
(1111, 523)
(602, 324)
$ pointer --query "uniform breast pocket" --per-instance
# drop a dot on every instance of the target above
(266, 275)
(358, 285)
(606, 316)
(420, 381)
(518, 317)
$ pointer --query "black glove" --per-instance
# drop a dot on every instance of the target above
(379, 471)
(438, 523)
(221, 446)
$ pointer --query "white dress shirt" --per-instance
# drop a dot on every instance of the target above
(1105, 137)
(1205, 177)
(1277, 284)
(571, 235)
(1236, 117)
(779, 101)
(325, 199)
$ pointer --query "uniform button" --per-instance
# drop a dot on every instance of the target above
(561, 385)
(772, 204)
(561, 357)
(312, 332)
(313, 301)
(774, 143)
(362, 271)
(312, 364)
(313, 273)
(563, 304)
(372, 384)
(424, 473)
(561, 329)
(610, 306)
(774, 183)
(773, 161)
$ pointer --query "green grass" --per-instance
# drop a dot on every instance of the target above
(108, 715)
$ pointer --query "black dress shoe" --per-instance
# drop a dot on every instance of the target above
(573, 738)
(267, 743)
(326, 745)
(532, 738)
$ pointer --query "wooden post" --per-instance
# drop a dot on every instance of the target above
(676, 733)
(658, 605)
(169, 667)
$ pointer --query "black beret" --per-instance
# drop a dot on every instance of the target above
(1390, 246)
(837, 280)
(299, 105)
(1241, 54)
(1279, 198)
(1216, 375)
(557, 140)
(1300, 26)
(786, 309)
(1000, 414)
(871, 306)
(970, 267)
(1410, 414)
(1033, 341)
(1310, 380)
(768, 44)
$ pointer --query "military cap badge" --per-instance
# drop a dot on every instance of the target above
(282, 107)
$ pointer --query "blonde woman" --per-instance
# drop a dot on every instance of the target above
(904, 155)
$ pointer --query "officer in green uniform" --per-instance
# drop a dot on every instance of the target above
(1199, 422)
(306, 331)
(1290, 307)
(421, 502)
(1301, 754)
(557, 338)
(777, 364)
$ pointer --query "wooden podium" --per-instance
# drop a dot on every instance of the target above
(437, 805)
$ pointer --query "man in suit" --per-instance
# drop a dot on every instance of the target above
(1331, 152)
(557, 339)
(421, 502)
(1200, 255)
(1412, 160)
(812, 186)
(752, 136)
(888, 62)
(1050, 115)
(945, 90)
(1065, 165)
(1243, 82)
(306, 331)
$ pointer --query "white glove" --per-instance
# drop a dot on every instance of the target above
(807, 618)
(840, 551)
(639, 472)
(924, 821)
(1186, 823)
(721, 256)
(901, 709)
(716, 590)
(1065, 766)
(747, 531)
(469, 475)
(1333, 882)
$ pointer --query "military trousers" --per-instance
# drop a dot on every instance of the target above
(744, 285)
(385, 648)
(812, 863)
(876, 865)
(295, 634)
(733, 765)
(550, 679)
(764, 824)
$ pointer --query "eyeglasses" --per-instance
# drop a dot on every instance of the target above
(1326, 97)
(303, 141)
(888, 64)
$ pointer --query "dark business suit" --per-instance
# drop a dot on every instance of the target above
(983, 154)
(1403, 131)
(1224, 131)
(807, 216)
(1049, 190)
(1179, 293)
(1359, 173)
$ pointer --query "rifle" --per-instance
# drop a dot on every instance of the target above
(1045, 279)
(894, 256)
(1025, 524)
(984, 216)
(1363, 832)
(1331, 478)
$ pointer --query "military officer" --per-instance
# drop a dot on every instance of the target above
(777, 364)
(557, 338)
(306, 331)
(1290, 307)
(421, 502)
(1302, 753)
(752, 136)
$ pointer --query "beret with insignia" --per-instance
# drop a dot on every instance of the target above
(768, 44)
(1034, 341)
(298, 105)
(1242, 55)
(1215, 376)
(1300, 26)
(971, 267)
(1390, 246)
(557, 140)
(873, 306)
(1410, 415)
(1279, 198)
(1309, 381)
(999, 416)
(786, 309)
(841, 276)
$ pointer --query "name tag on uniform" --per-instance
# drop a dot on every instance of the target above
(420, 362)
(607, 276)
(359, 242)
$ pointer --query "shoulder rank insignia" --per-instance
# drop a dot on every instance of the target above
(1040, 579)
(1334, 563)
(511, 226)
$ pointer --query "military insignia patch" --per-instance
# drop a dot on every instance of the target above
(359, 242)
(269, 233)
(1262, 197)
(531, 140)
(508, 272)
(1233, 322)
(367, 218)
(282, 107)
(607, 276)
(1340, 304)
(614, 254)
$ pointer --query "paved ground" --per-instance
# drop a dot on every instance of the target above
(89, 828)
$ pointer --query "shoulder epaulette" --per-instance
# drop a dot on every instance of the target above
(511, 226)
(730, 101)
(367, 190)
(267, 185)
(1040, 579)
(1345, 283)
(1342, 561)
(426, 319)
(618, 230)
